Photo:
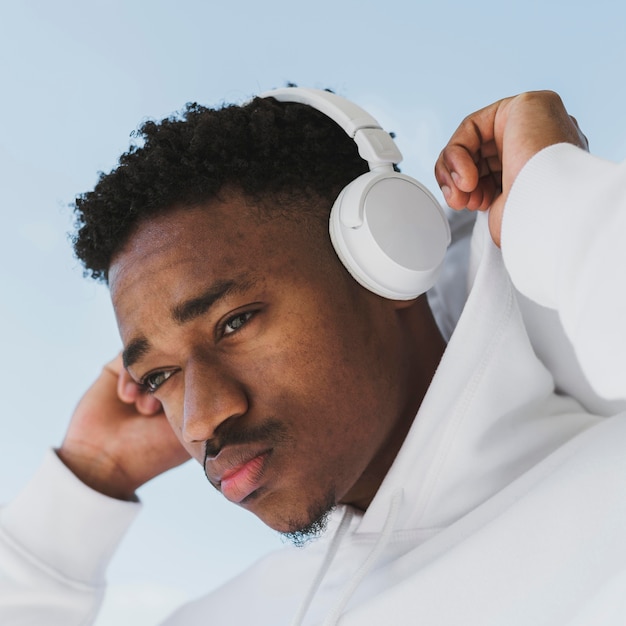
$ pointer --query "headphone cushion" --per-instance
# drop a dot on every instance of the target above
(390, 233)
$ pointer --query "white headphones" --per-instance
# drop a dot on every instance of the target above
(388, 230)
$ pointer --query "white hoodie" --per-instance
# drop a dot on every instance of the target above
(507, 501)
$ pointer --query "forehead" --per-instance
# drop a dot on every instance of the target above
(182, 232)
(188, 247)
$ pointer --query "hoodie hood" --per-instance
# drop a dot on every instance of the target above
(486, 418)
(485, 421)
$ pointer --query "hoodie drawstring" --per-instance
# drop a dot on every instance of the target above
(368, 564)
(383, 539)
(328, 559)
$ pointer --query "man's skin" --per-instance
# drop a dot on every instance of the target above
(297, 372)
(485, 154)
(268, 359)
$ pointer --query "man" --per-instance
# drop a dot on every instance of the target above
(466, 487)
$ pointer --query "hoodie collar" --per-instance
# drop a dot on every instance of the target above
(489, 415)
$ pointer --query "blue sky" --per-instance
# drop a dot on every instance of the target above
(78, 77)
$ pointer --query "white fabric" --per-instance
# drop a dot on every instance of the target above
(563, 242)
(50, 572)
(506, 504)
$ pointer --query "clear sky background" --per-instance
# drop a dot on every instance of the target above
(76, 78)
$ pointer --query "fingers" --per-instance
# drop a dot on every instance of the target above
(129, 391)
(485, 154)
(469, 181)
(583, 142)
(147, 404)
(469, 168)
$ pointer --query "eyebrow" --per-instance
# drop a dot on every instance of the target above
(195, 307)
(187, 311)
(136, 349)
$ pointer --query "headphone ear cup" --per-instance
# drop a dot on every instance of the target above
(390, 233)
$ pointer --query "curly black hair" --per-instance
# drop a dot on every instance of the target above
(265, 149)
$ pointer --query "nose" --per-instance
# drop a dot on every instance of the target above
(212, 396)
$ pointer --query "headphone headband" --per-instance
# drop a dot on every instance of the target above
(387, 229)
(375, 145)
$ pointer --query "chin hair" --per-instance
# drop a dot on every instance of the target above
(301, 534)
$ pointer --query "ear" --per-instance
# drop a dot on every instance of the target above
(390, 233)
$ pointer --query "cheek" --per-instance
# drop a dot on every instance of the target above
(329, 384)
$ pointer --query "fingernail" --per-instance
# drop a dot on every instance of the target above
(446, 191)
(456, 178)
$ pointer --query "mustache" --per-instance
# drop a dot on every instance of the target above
(234, 434)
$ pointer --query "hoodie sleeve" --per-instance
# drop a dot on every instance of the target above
(56, 540)
(564, 245)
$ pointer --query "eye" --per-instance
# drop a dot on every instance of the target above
(151, 382)
(233, 324)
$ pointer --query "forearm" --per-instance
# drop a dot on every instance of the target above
(562, 241)
(56, 539)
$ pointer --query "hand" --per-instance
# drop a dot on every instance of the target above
(119, 437)
(486, 153)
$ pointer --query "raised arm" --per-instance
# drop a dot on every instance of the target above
(118, 438)
(482, 159)
(57, 536)
(559, 215)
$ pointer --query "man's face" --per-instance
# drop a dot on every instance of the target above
(277, 372)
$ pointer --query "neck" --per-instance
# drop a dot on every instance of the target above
(425, 347)
(421, 349)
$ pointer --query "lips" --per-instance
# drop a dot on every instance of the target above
(237, 473)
